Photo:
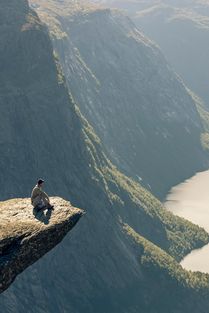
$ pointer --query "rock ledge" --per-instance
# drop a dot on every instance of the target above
(26, 235)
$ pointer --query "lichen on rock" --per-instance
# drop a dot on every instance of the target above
(26, 235)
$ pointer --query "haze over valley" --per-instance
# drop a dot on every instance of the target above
(181, 29)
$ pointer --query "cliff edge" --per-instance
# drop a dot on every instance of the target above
(26, 235)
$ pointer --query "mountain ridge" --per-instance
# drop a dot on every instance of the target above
(139, 107)
(181, 31)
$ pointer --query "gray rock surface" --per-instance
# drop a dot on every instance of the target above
(142, 111)
(181, 29)
(26, 235)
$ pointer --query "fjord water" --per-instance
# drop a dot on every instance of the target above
(190, 200)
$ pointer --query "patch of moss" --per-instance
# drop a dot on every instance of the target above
(60, 75)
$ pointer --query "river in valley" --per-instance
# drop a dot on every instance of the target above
(190, 200)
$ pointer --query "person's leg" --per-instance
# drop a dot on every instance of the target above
(45, 201)
(42, 204)
(38, 203)
(47, 204)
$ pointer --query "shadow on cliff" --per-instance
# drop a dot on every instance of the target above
(43, 215)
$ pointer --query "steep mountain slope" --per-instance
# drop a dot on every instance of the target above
(43, 133)
(140, 109)
(181, 28)
(183, 33)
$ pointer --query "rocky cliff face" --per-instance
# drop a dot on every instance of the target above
(182, 32)
(181, 29)
(141, 110)
(26, 235)
(44, 134)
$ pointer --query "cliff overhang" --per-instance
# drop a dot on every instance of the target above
(26, 235)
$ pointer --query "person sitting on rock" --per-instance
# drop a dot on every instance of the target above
(39, 198)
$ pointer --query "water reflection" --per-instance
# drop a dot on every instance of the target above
(191, 201)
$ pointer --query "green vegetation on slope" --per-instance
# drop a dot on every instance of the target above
(140, 108)
(204, 115)
(180, 290)
(139, 207)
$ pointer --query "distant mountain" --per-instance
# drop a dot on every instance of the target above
(123, 256)
(140, 108)
(181, 29)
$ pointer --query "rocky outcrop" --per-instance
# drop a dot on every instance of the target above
(26, 235)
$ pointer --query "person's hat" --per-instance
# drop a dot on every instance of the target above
(40, 181)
